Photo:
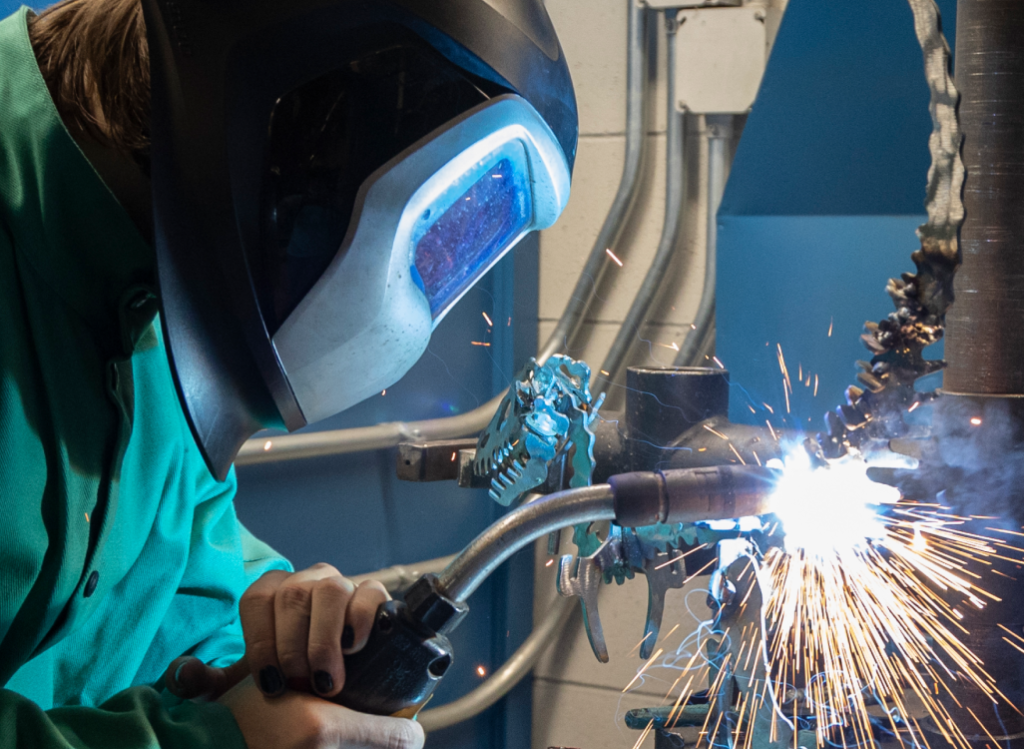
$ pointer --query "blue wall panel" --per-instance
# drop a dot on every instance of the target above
(825, 194)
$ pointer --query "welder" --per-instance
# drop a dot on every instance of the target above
(217, 218)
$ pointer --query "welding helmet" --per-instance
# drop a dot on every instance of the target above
(329, 178)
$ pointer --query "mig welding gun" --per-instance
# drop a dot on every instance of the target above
(409, 652)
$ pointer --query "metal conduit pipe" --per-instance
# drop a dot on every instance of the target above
(636, 140)
(719, 133)
(674, 187)
(389, 434)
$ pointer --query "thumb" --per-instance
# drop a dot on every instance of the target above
(378, 732)
(189, 678)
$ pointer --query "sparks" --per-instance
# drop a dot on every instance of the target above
(267, 445)
(481, 671)
(481, 343)
(848, 615)
(614, 258)
(976, 421)
(489, 323)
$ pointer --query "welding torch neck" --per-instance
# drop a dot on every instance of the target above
(691, 495)
(630, 499)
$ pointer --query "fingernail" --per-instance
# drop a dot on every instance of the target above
(177, 673)
(323, 682)
(348, 637)
(270, 680)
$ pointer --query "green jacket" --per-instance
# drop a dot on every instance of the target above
(118, 551)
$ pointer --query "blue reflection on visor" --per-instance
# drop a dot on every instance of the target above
(472, 233)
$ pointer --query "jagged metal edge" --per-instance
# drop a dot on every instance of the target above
(874, 414)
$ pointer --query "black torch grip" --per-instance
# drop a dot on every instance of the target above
(398, 669)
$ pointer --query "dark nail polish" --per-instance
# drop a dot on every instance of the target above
(323, 682)
(271, 681)
(348, 636)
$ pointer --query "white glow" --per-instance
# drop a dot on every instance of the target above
(829, 510)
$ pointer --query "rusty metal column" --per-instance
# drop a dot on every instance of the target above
(985, 327)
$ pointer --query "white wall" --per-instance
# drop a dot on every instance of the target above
(578, 702)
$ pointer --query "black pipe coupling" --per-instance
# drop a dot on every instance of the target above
(691, 495)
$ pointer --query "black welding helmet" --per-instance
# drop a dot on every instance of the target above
(329, 178)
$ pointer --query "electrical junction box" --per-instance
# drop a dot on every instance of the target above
(721, 53)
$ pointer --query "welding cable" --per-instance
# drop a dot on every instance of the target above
(385, 435)
(670, 230)
(719, 132)
(502, 681)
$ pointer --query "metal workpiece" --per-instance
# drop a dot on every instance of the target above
(675, 187)
(691, 495)
(543, 423)
(519, 528)
(985, 338)
(717, 441)
(361, 439)
(664, 402)
(433, 461)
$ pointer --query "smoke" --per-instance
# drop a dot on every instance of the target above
(974, 462)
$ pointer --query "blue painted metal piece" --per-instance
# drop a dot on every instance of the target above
(826, 191)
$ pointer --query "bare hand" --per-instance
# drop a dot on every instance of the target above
(298, 627)
(303, 721)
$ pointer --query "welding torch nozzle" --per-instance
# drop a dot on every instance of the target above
(691, 495)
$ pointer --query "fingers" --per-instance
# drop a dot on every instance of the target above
(330, 599)
(298, 626)
(256, 609)
(189, 678)
(293, 614)
(362, 610)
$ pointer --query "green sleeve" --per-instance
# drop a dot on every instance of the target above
(137, 718)
(224, 560)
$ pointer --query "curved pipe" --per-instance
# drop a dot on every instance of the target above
(520, 527)
(502, 681)
(674, 187)
(389, 434)
(719, 132)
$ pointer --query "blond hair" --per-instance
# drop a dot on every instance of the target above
(94, 57)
